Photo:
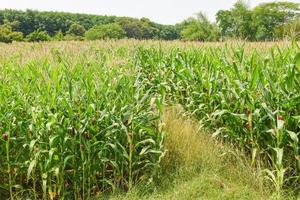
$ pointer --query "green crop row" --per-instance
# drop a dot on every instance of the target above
(251, 99)
(71, 132)
(77, 122)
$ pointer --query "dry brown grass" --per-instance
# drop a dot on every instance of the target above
(186, 144)
(191, 150)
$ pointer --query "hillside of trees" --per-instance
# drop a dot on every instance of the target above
(265, 22)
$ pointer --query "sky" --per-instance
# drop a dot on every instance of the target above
(160, 11)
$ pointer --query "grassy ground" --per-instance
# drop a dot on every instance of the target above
(197, 167)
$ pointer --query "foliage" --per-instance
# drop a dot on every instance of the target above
(76, 30)
(264, 22)
(290, 30)
(52, 22)
(251, 99)
(260, 23)
(7, 34)
(16, 36)
(113, 31)
(139, 29)
(74, 130)
(59, 36)
(38, 36)
(199, 29)
(168, 32)
(268, 16)
(236, 22)
(87, 119)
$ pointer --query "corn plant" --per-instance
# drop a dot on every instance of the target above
(251, 99)
(72, 131)
(81, 119)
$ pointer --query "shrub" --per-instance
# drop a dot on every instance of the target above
(38, 36)
(16, 36)
(76, 30)
(59, 36)
(4, 35)
(7, 35)
(113, 31)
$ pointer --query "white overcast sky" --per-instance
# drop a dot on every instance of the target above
(161, 11)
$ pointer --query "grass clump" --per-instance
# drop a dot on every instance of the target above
(196, 166)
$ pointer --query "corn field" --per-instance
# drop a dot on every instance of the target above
(79, 119)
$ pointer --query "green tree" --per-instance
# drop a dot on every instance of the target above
(106, 31)
(72, 25)
(199, 29)
(225, 22)
(76, 30)
(169, 32)
(51, 22)
(139, 29)
(267, 17)
(236, 22)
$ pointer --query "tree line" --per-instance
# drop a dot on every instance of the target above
(265, 22)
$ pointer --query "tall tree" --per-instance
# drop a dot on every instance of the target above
(236, 22)
(139, 29)
(199, 28)
(269, 16)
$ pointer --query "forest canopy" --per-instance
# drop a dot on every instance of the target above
(265, 22)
